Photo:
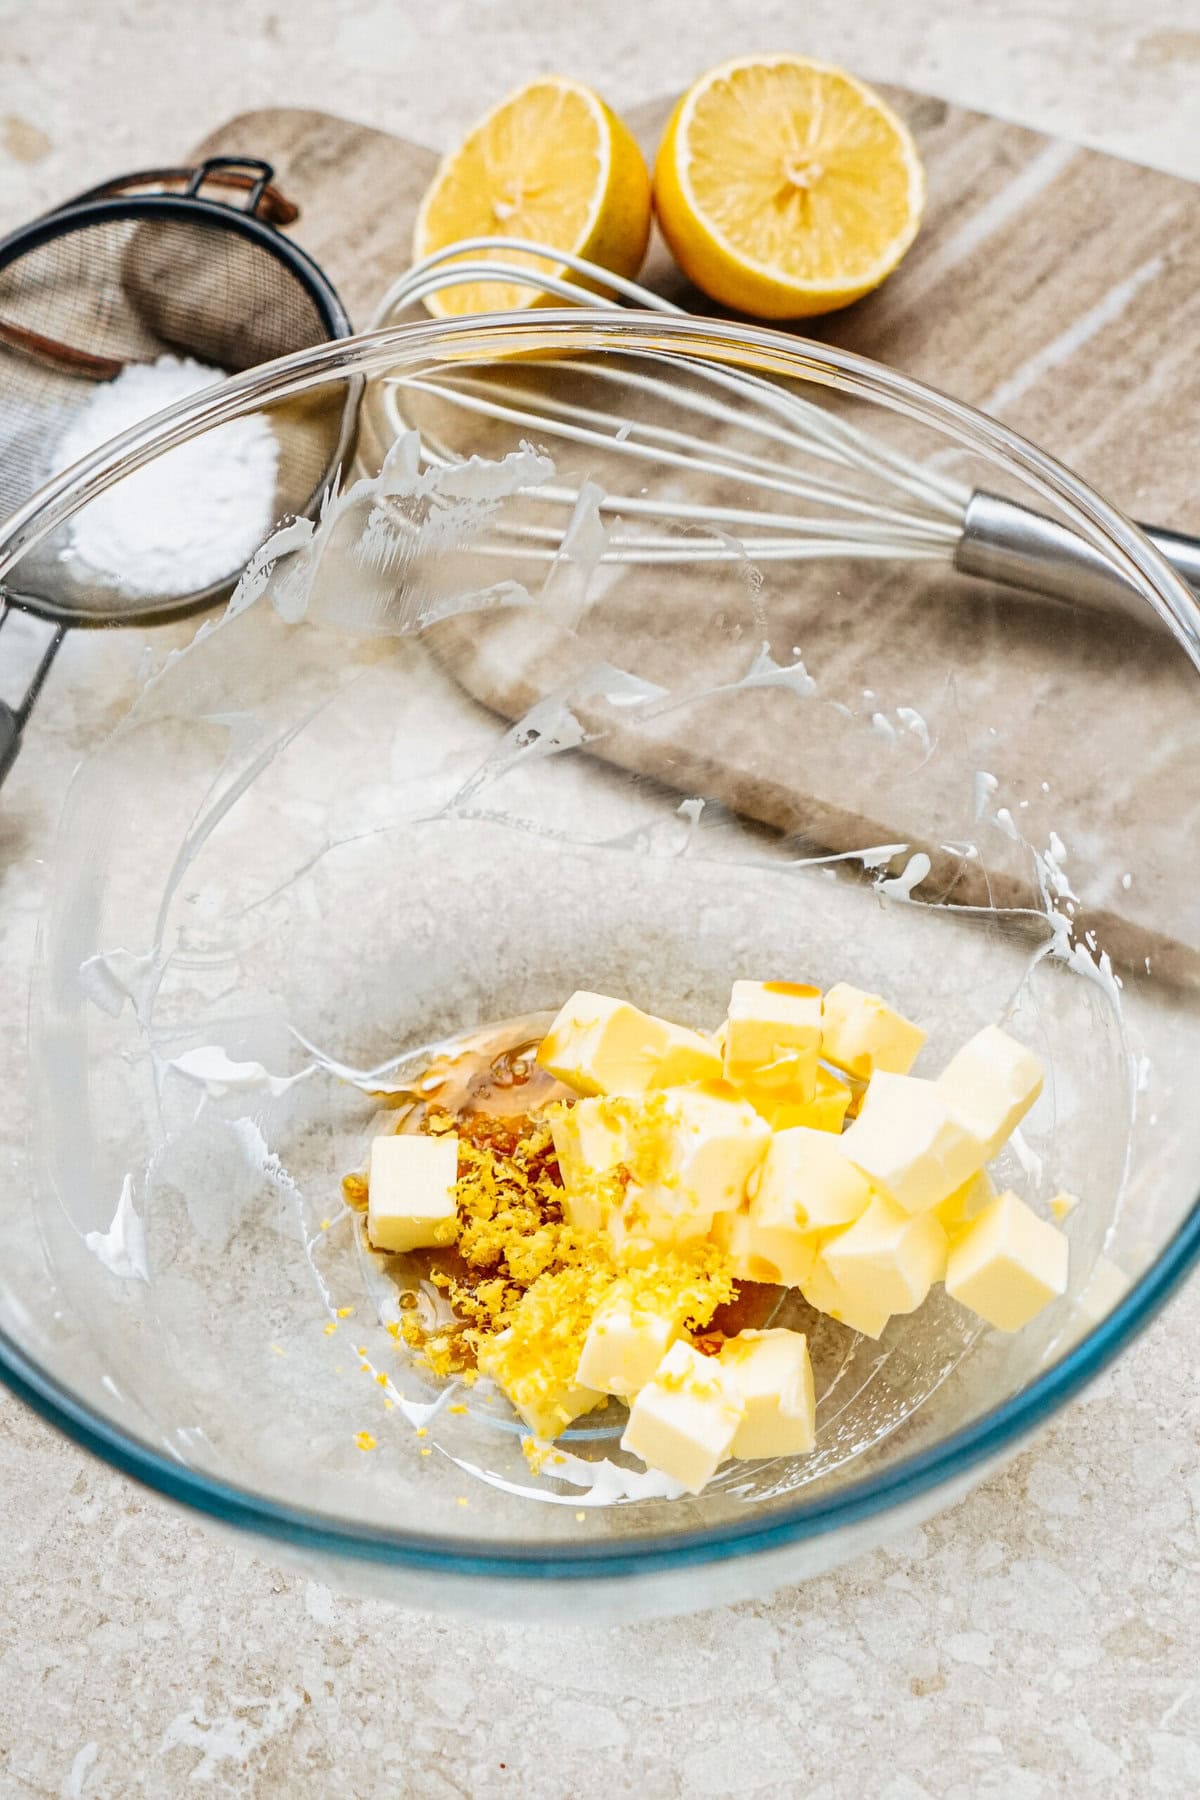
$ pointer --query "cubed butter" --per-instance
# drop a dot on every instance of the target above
(625, 1343)
(1063, 1205)
(683, 1423)
(772, 1377)
(888, 1259)
(731, 1230)
(1007, 1264)
(597, 1045)
(991, 1084)
(806, 1170)
(862, 1034)
(858, 1311)
(965, 1203)
(690, 1154)
(547, 1402)
(782, 1108)
(410, 1191)
(806, 1187)
(910, 1142)
(590, 1140)
(772, 1036)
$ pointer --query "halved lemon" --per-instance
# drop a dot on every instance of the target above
(551, 163)
(785, 187)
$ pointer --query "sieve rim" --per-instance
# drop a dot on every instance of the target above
(78, 213)
(85, 211)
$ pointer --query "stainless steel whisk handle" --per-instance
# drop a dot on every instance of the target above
(1005, 542)
(1180, 550)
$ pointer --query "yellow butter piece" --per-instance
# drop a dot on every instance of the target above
(782, 1108)
(772, 1377)
(731, 1231)
(590, 1140)
(965, 1202)
(991, 1084)
(806, 1187)
(547, 1403)
(410, 1191)
(862, 1034)
(772, 1036)
(805, 1171)
(1007, 1264)
(625, 1344)
(1063, 1205)
(909, 1141)
(888, 1259)
(858, 1311)
(690, 1153)
(598, 1045)
(684, 1421)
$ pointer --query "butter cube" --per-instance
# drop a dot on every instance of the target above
(690, 1154)
(965, 1203)
(991, 1084)
(601, 1046)
(1063, 1205)
(546, 1400)
(1007, 1264)
(862, 1034)
(731, 1230)
(590, 1139)
(683, 1423)
(772, 1377)
(782, 1108)
(860, 1311)
(806, 1187)
(805, 1170)
(410, 1191)
(625, 1343)
(910, 1142)
(888, 1259)
(772, 1036)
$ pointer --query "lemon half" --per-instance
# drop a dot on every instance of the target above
(785, 187)
(551, 163)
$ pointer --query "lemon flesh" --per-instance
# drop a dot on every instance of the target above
(785, 187)
(551, 163)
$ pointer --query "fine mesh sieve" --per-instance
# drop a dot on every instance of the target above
(146, 268)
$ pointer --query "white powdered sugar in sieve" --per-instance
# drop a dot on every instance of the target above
(190, 518)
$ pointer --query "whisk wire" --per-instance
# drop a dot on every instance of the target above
(881, 502)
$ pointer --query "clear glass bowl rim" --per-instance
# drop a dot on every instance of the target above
(575, 330)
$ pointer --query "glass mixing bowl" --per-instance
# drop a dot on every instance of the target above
(632, 656)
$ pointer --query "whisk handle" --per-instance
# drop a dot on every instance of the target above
(1180, 550)
(1005, 542)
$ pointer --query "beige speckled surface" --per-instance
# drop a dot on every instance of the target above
(1041, 1639)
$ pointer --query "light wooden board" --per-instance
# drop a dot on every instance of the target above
(1053, 285)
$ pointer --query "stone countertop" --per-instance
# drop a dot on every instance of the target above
(1041, 1638)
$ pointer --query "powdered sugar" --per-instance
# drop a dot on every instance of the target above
(191, 517)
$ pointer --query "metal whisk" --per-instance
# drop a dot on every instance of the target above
(847, 493)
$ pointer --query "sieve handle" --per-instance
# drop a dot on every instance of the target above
(13, 719)
(248, 175)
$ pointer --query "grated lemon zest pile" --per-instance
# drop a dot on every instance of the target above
(515, 1266)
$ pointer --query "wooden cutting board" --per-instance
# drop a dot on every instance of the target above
(1052, 285)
